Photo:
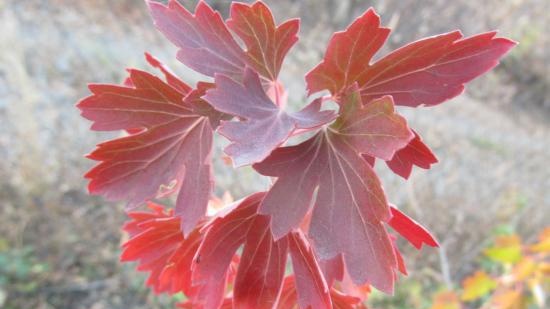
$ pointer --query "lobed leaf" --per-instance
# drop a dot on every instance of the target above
(205, 44)
(169, 143)
(415, 153)
(350, 205)
(426, 72)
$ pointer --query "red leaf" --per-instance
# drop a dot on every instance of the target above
(265, 126)
(313, 291)
(415, 153)
(350, 205)
(174, 144)
(205, 44)
(262, 268)
(426, 72)
(415, 233)
(348, 55)
(267, 45)
(159, 247)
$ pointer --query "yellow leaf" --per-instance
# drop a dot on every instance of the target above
(507, 249)
(524, 269)
(508, 299)
(477, 286)
(543, 246)
(446, 300)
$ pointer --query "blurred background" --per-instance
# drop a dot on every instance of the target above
(59, 247)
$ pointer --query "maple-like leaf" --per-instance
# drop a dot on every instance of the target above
(172, 143)
(426, 72)
(207, 46)
(350, 205)
(264, 126)
(267, 44)
(415, 233)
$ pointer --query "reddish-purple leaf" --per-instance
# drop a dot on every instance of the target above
(264, 126)
(173, 143)
(205, 44)
(266, 43)
(415, 233)
(350, 207)
(415, 153)
(426, 72)
(313, 291)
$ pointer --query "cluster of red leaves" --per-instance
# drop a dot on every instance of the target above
(326, 209)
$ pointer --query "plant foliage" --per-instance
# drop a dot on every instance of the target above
(326, 213)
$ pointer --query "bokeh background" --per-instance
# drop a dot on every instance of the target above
(59, 247)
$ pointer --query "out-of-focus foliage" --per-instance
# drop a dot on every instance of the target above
(520, 277)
